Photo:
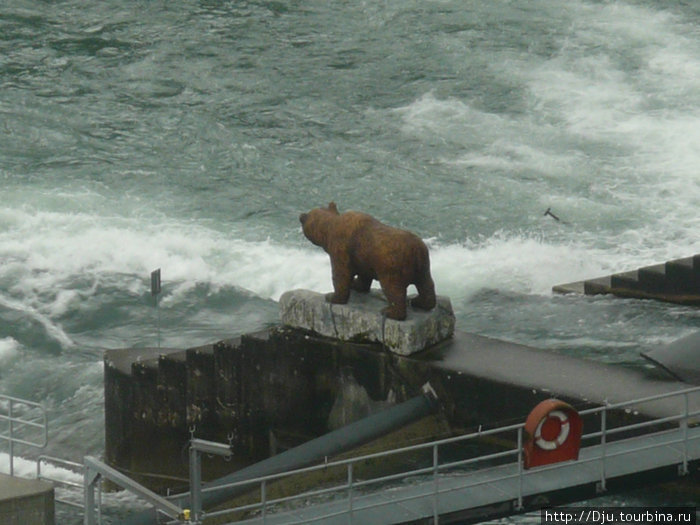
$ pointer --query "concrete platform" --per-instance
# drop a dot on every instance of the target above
(26, 501)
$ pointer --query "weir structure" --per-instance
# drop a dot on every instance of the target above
(291, 410)
(274, 390)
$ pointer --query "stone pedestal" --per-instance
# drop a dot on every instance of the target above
(361, 320)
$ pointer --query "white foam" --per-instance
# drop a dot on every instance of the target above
(512, 263)
(53, 330)
(42, 264)
(27, 468)
(9, 350)
(105, 249)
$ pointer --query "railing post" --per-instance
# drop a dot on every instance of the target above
(683, 471)
(602, 487)
(90, 477)
(263, 500)
(520, 469)
(195, 483)
(350, 482)
(12, 441)
(436, 516)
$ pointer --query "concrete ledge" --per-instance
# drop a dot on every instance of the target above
(361, 320)
(26, 501)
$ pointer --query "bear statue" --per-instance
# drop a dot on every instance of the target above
(363, 249)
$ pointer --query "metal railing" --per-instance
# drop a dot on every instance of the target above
(71, 466)
(26, 417)
(95, 470)
(26, 425)
(352, 484)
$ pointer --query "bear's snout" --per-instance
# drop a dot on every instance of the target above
(303, 217)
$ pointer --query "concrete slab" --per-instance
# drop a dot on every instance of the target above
(680, 358)
(562, 375)
(361, 320)
(26, 501)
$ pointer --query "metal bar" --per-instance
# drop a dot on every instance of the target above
(90, 476)
(27, 422)
(263, 499)
(19, 441)
(22, 401)
(391, 477)
(11, 439)
(643, 424)
(684, 424)
(520, 469)
(95, 466)
(436, 491)
(603, 441)
(486, 457)
(50, 459)
(635, 426)
(692, 390)
(197, 447)
(195, 482)
(350, 466)
(210, 447)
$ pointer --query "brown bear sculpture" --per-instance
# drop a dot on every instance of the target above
(363, 249)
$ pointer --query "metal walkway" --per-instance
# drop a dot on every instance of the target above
(432, 494)
(500, 485)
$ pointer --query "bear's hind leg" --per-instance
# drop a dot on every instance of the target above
(396, 297)
(426, 299)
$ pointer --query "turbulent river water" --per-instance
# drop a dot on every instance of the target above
(189, 135)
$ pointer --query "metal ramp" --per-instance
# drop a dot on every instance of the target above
(447, 492)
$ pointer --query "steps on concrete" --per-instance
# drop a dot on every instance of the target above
(676, 281)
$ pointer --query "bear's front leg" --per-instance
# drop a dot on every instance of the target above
(342, 277)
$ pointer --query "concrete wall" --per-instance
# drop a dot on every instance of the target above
(275, 389)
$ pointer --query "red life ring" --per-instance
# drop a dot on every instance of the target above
(560, 439)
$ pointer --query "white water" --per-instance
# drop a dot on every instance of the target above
(190, 136)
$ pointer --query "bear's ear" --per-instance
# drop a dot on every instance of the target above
(332, 207)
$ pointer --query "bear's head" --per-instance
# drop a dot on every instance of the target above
(316, 223)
